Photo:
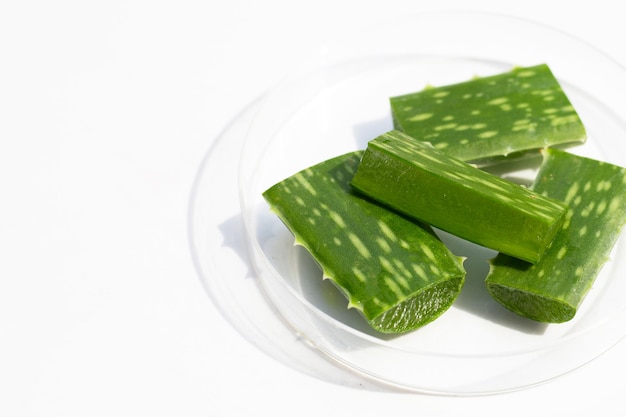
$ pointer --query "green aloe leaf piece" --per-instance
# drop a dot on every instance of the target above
(553, 289)
(420, 181)
(396, 272)
(486, 119)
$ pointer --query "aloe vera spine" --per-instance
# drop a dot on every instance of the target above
(485, 119)
(553, 289)
(420, 181)
(396, 272)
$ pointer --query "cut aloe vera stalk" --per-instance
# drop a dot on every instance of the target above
(396, 272)
(420, 181)
(487, 118)
(553, 289)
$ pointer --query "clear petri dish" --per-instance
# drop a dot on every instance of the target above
(335, 102)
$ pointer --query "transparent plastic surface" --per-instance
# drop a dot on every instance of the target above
(219, 252)
(336, 102)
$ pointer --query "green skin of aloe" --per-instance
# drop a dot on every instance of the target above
(426, 184)
(395, 271)
(553, 289)
(487, 119)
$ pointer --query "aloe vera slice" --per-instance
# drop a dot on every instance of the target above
(396, 272)
(553, 289)
(422, 182)
(485, 119)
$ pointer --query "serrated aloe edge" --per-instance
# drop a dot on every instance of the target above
(420, 181)
(395, 271)
(486, 119)
(553, 289)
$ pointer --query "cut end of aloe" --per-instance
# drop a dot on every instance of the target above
(419, 310)
(539, 307)
(486, 119)
(395, 271)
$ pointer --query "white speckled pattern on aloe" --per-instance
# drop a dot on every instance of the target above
(553, 289)
(416, 179)
(396, 272)
(486, 119)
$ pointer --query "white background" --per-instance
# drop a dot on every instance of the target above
(106, 112)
